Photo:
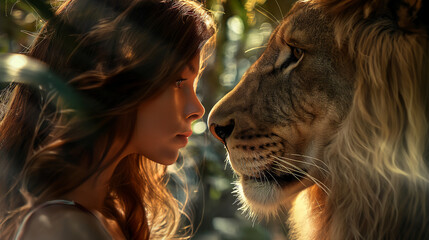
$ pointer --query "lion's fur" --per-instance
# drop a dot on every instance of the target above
(379, 171)
(378, 157)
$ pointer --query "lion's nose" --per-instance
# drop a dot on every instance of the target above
(222, 132)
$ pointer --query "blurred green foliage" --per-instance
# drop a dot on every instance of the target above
(244, 27)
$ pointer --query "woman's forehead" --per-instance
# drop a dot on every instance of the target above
(194, 64)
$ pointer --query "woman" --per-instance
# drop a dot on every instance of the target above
(96, 170)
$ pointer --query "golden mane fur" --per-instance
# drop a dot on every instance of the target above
(379, 157)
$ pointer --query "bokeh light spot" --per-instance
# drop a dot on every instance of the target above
(199, 127)
(17, 61)
(235, 28)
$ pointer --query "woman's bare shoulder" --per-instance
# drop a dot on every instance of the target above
(64, 222)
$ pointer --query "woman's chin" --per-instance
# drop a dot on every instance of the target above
(168, 158)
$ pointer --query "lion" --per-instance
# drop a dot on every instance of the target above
(330, 124)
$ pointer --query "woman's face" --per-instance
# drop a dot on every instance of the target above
(164, 121)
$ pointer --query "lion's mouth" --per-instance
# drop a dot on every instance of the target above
(272, 177)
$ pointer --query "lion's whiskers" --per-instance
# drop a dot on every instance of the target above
(304, 174)
(308, 163)
(294, 174)
(309, 157)
(255, 48)
(277, 183)
(280, 9)
(260, 178)
(290, 172)
(301, 173)
(265, 13)
(292, 169)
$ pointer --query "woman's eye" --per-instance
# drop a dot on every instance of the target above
(179, 82)
(297, 52)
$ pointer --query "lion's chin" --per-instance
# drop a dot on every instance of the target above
(268, 198)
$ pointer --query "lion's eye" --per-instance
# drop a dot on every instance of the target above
(297, 52)
(291, 57)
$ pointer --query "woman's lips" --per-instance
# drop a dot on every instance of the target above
(186, 134)
(182, 138)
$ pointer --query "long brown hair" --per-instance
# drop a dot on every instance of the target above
(114, 54)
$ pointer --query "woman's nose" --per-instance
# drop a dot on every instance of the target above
(194, 109)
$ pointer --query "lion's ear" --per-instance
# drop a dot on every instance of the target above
(411, 15)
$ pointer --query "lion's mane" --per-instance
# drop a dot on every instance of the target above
(379, 178)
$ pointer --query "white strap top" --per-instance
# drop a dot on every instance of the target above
(21, 228)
